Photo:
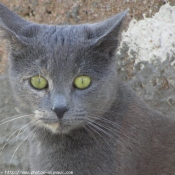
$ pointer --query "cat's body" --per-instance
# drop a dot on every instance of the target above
(145, 145)
(84, 119)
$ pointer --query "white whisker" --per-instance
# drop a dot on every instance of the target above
(86, 127)
(20, 145)
(92, 125)
(16, 118)
(18, 130)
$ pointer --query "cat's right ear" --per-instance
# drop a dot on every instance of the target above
(105, 35)
(11, 26)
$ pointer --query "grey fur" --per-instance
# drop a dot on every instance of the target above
(107, 130)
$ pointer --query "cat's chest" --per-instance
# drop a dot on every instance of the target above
(93, 159)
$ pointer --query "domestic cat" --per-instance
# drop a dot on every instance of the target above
(84, 120)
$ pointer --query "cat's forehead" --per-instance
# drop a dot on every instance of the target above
(62, 39)
(63, 36)
(61, 49)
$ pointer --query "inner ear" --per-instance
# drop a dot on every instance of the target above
(105, 34)
(14, 42)
(107, 45)
(15, 30)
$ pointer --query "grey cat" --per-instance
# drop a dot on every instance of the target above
(84, 119)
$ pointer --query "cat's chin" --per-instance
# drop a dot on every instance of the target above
(58, 127)
(53, 127)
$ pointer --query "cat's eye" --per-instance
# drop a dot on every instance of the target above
(38, 82)
(82, 82)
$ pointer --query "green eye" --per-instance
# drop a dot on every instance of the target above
(82, 82)
(38, 82)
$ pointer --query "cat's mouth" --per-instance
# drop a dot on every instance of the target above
(56, 125)
(49, 121)
(59, 126)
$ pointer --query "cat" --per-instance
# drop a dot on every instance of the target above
(84, 120)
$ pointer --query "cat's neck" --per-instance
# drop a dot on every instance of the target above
(74, 151)
(133, 135)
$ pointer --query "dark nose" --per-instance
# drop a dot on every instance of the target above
(59, 105)
(59, 111)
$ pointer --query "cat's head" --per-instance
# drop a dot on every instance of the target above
(65, 75)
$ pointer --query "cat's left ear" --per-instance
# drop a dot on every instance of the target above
(105, 34)
(14, 29)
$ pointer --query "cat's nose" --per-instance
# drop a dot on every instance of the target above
(59, 105)
(59, 111)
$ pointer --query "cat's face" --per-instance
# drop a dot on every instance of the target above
(60, 63)
(64, 75)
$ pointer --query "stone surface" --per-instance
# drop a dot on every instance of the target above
(147, 59)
